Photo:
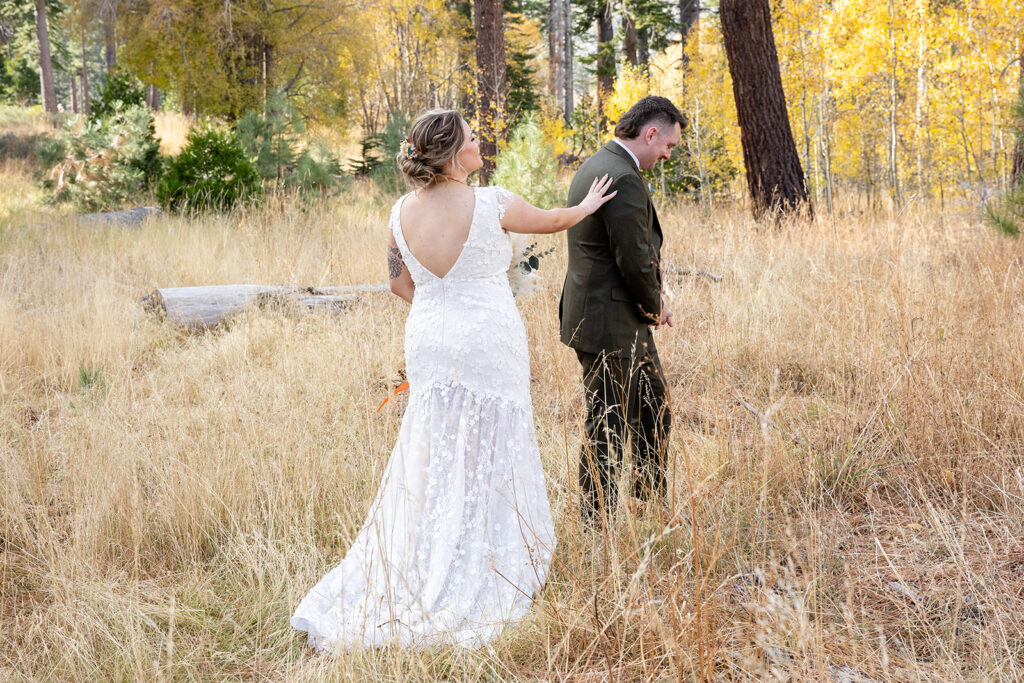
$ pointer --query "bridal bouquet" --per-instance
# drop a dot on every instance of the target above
(523, 277)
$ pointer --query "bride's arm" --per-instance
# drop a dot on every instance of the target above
(398, 273)
(523, 217)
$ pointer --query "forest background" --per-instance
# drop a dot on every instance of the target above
(890, 100)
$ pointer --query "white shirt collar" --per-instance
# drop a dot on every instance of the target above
(629, 151)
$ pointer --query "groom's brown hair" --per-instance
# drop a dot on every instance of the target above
(652, 108)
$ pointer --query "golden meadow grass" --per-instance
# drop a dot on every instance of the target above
(166, 497)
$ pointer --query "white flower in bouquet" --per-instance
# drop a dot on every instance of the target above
(523, 277)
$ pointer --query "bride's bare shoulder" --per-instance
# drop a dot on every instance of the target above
(435, 199)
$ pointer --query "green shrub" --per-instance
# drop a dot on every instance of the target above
(104, 162)
(19, 81)
(586, 123)
(270, 138)
(379, 150)
(120, 91)
(317, 169)
(50, 151)
(387, 175)
(528, 167)
(212, 172)
(1006, 213)
(521, 96)
(19, 146)
(693, 169)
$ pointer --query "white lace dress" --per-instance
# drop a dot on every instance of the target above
(459, 537)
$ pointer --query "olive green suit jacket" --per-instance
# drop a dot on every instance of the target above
(612, 289)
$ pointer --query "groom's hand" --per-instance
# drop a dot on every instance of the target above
(665, 318)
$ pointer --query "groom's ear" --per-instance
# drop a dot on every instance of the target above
(651, 133)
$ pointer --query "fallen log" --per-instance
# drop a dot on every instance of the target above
(675, 270)
(208, 306)
(127, 217)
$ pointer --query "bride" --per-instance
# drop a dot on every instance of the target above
(459, 537)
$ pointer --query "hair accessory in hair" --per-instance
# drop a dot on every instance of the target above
(409, 149)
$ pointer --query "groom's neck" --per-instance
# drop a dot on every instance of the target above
(633, 146)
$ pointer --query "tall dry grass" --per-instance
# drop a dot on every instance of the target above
(166, 498)
(21, 130)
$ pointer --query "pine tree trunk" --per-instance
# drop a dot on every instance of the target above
(774, 175)
(153, 97)
(48, 93)
(488, 18)
(85, 79)
(266, 66)
(1017, 172)
(605, 55)
(74, 94)
(643, 48)
(629, 40)
(689, 15)
(568, 103)
(109, 42)
(465, 99)
(557, 34)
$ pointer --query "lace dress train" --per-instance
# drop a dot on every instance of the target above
(459, 537)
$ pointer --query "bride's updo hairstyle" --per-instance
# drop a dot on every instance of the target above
(435, 139)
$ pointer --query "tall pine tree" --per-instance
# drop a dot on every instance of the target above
(775, 178)
(489, 23)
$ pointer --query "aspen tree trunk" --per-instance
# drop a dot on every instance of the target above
(606, 55)
(919, 113)
(74, 95)
(774, 175)
(824, 135)
(1017, 169)
(706, 196)
(824, 118)
(894, 180)
(48, 93)
(804, 120)
(689, 16)
(488, 18)
(998, 178)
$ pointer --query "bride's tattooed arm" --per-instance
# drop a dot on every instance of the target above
(395, 262)
(401, 280)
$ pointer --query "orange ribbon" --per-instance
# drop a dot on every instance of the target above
(399, 389)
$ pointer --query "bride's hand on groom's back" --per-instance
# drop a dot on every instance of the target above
(523, 217)
(596, 197)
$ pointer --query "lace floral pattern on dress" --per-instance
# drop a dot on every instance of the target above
(459, 537)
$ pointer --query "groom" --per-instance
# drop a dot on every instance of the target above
(610, 301)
